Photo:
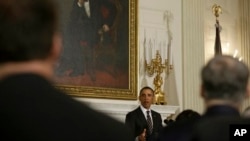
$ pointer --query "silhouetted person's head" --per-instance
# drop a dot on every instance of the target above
(187, 114)
(27, 29)
(29, 37)
(224, 81)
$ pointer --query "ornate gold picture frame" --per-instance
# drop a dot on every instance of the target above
(112, 71)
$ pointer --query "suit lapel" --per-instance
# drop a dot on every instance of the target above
(141, 116)
(154, 118)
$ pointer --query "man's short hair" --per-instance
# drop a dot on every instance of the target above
(225, 77)
(146, 88)
(26, 29)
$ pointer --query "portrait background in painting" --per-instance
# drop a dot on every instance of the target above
(95, 49)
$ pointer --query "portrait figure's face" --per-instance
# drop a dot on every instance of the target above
(146, 98)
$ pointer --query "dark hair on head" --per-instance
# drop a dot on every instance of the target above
(146, 87)
(187, 114)
(226, 78)
(26, 29)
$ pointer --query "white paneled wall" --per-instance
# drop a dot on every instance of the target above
(193, 52)
(245, 36)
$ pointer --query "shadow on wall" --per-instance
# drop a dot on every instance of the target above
(142, 73)
(170, 89)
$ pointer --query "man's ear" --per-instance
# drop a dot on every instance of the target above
(202, 92)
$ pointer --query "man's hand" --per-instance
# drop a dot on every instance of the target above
(105, 28)
(142, 136)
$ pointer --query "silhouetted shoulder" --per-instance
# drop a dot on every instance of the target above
(216, 128)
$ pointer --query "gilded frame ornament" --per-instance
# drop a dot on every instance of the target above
(129, 93)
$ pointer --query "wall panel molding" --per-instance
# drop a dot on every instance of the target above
(193, 52)
(245, 35)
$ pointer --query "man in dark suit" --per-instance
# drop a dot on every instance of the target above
(222, 128)
(89, 24)
(137, 119)
(81, 35)
(224, 87)
(31, 108)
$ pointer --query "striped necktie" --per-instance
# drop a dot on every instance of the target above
(149, 121)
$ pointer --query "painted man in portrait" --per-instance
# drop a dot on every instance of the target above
(89, 25)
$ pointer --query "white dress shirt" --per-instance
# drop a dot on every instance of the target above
(86, 6)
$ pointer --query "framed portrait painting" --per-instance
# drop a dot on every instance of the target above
(98, 58)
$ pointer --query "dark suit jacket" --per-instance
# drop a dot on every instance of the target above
(221, 128)
(31, 109)
(182, 130)
(136, 121)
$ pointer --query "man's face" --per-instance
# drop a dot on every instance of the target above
(146, 98)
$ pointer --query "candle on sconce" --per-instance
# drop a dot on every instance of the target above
(172, 59)
(156, 42)
(150, 48)
(154, 48)
(145, 46)
(145, 50)
(169, 54)
(161, 50)
(165, 50)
